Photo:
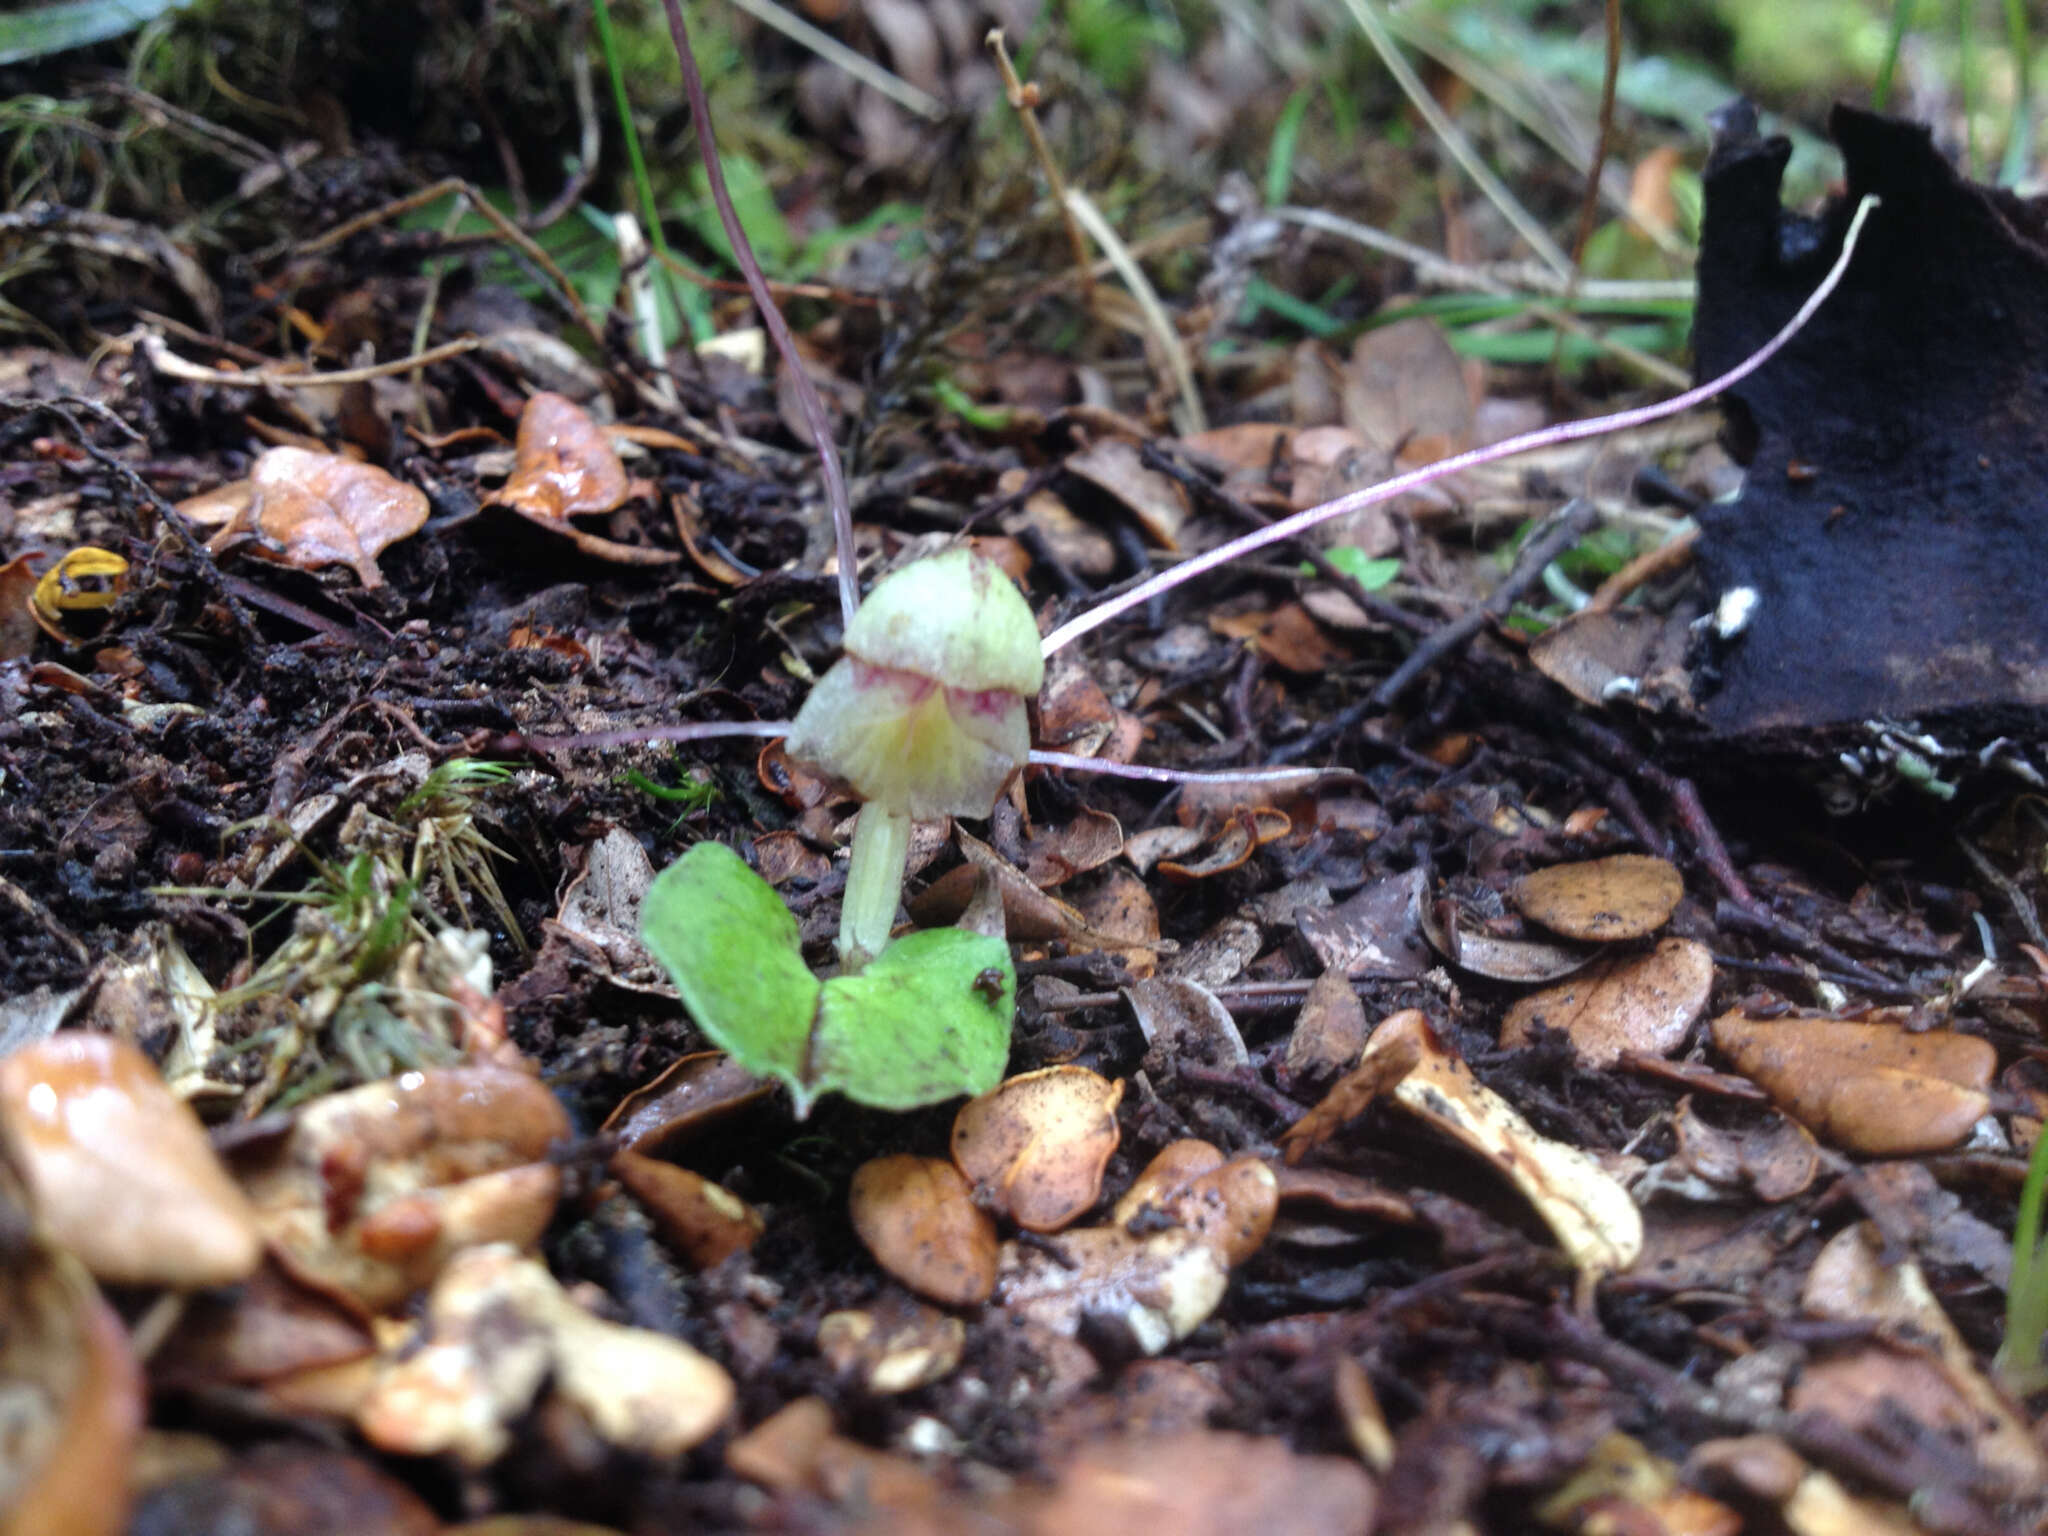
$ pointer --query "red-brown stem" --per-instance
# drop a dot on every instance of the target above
(778, 329)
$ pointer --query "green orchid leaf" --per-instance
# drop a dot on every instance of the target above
(927, 1020)
(724, 935)
(1354, 562)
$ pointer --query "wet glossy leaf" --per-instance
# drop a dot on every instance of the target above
(566, 465)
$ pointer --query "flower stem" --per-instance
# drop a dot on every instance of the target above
(874, 883)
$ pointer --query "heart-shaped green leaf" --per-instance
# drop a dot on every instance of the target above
(927, 1020)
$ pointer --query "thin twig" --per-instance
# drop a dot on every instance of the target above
(1401, 485)
(1570, 525)
(813, 407)
(1023, 101)
(1589, 205)
(510, 232)
(172, 366)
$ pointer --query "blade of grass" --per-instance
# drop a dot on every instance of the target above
(1189, 416)
(1460, 149)
(2019, 132)
(1400, 485)
(1286, 137)
(1894, 42)
(698, 316)
(813, 407)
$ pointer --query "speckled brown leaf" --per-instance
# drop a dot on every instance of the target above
(1869, 1088)
(917, 1216)
(1639, 1003)
(1602, 900)
(1119, 909)
(1329, 1032)
(1034, 1148)
(1856, 1279)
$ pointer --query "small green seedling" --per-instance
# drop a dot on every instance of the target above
(2019, 1364)
(924, 716)
(927, 1020)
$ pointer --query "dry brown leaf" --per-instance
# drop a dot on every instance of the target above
(567, 466)
(1121, 911)
(693, 1092)
(1184, 1021)
(1855, 1279)
(120, 1171)
(1328, 1033)
(1869, 1088)
(17, 621)
(1157, 1288)
(704, 1223)
(1057, 854)
(373, 1189)
(1595, 1221)
(1405, 391)
(1774, 1161)
(1154, 499)
(1230, 1206)
(918, 1218)
(1034, 1147)
(1242, 834)
(1526, 960)
(268, 1326)
(318, 509)
(1288, 636)
(895, 1345)
(1623, 1487)
(75, 1390)
(1206, 1482)
(1641, 1003)
(1376, 931)
(496, 1328)
(1602, 900)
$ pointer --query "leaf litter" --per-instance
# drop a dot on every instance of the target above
(1671, 1274)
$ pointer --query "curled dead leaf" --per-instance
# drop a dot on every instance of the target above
(372, 1190)
(703, 1222)
(1034, 1147)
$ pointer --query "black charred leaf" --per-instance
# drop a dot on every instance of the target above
(1892, 522)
